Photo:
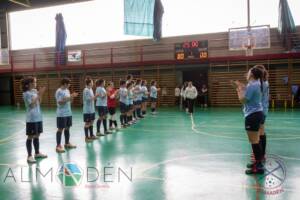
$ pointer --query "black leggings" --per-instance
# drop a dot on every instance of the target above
(190, 103)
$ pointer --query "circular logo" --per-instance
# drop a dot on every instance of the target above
(275, 172)
(69, 174)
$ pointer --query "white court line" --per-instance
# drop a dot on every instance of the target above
(229, 137)
(141, 176)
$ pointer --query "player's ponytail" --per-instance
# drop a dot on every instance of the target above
(258, 74)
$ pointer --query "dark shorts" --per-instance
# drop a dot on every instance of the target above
(138, 102)
(264, 119)
(64, 122)
(88, 117)
(123, 107)
(112, 110)
(253, 121)
(130, 107)
(153, 99)
(33, 128)
(144, 99)
(102, 110)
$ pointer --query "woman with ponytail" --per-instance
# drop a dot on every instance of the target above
(251, 97)
(34, 122)
(265, 104)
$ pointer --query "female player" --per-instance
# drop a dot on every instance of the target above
(145, 93)
(123, 93)
(64, 114)
(130, 104)
(191, 94)
(101, 104)
(251, 96)
(111, 104)
(153, 96)
(89, 110)
(34, 122)
(138, 98)
(265, 104)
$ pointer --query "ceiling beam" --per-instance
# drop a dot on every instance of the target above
(24, 3)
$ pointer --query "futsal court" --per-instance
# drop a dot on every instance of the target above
(172, 155)
(149, 100)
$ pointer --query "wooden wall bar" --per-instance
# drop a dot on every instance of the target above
(221, 92)
(165, 77)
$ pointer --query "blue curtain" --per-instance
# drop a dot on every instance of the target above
(138, 17)
(286, 24)
(60, 39)
(157, 20)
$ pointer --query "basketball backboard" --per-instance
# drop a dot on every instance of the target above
(249, 38)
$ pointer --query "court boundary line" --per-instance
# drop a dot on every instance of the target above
(194, 129)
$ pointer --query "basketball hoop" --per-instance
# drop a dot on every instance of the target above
(248, 45)
(249, 50)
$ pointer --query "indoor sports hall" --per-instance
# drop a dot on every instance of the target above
(149, 99)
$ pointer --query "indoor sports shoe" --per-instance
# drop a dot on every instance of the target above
(254, 164)
(70, 146)
(99, 134)
(31, 159)
(254, 171)
(107, 132)
(40, 155)
(93, 137)
(88, 140)
(60, 149)
(255, 168)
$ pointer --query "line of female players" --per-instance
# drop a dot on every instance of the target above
(132, 96)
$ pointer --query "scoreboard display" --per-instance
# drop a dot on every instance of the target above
(191, 50)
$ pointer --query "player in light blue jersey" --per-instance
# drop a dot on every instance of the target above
(130, 98)
(89, 109)
(101, 104)
(153, 96)
(123, 95)
(64, 114)
(265, 105)
(138, 98)
(145, 94)
(34, 122)
(251, 96)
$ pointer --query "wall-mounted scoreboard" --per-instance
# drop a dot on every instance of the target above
(191, 50)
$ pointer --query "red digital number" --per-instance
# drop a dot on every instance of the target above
(195, 44)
